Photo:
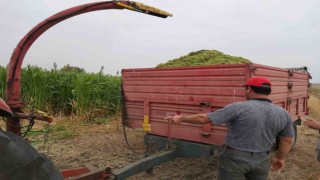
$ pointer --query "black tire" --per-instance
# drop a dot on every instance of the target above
(19, 160)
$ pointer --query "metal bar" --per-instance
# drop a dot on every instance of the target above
(74, 171)
(145, 164)
(13, 125)
(92, 175)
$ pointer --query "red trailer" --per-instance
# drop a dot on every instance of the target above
(152, 93)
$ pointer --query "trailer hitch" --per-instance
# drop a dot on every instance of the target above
(32, 116)
(35, 115)
(144, 164)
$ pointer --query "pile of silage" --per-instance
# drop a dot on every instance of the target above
(204, 57)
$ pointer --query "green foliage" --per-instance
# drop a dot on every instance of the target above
(204, 57)
(32, 133)
(63, 134)
(3, 80)
(95, 93)
(34, 89)
(68, 92)
(68, 68)
(55, 133)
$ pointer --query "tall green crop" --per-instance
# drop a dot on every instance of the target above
(67, 92)
(96, 93)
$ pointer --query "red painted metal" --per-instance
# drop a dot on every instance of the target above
(34, 116)
(13, 76)
(66, 173)
(158, 92)
(83, 173)
(4, 109)
(14, 68)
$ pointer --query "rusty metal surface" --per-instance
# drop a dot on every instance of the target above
(153, 93)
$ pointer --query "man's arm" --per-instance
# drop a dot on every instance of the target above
(277, 163)
(312, 124)
(194, 119)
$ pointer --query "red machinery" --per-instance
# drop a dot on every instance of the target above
(18, 159)
(13, 77)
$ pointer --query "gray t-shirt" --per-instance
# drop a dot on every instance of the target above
(254, 124)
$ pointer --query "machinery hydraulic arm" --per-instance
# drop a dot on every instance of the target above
(14, 100)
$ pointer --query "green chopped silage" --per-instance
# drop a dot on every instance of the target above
(204, 57)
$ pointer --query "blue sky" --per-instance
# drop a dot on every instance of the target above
(270, 32)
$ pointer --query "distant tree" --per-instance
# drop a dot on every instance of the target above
(68, 68)
(55, 66)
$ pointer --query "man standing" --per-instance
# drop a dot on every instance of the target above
(252, 129)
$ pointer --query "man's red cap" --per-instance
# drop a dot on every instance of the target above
(259, 81)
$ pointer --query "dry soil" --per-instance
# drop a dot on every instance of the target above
(103, 145)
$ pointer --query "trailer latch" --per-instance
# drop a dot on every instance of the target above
(290, 85)
(206, 130)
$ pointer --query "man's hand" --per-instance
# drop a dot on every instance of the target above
(277, 164)
(175, 119)
(312, 124)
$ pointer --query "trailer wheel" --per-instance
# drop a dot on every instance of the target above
(19, 160)
(293, 144)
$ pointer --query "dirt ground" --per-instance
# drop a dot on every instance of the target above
(103, 145)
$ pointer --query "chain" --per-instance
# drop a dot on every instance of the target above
(29, 127)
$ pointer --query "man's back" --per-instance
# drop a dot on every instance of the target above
(253, 124)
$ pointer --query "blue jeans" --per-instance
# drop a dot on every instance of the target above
(239, 165)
